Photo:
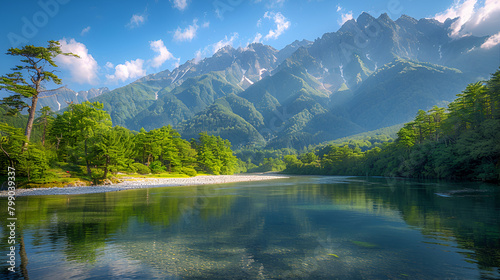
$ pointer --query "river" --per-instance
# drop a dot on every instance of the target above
(297, 228)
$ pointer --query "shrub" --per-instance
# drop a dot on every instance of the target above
(141, 168)
(33, 163)
(189, 171)
(113, 169)
(157, 167)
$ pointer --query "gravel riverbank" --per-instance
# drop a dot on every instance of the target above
(147, 183)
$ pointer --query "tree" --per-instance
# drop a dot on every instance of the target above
(34, 62)
(73, 130)
(214, 154)
(494, 94)
(44, 120)
(112, 147)
(87, 119)
(11, 140)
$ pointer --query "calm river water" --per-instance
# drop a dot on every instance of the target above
(297, 228)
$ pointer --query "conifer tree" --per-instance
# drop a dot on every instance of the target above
(26, 81)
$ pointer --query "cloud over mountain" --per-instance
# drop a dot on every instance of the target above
(475, 17)
(163, 53)
(84, 69)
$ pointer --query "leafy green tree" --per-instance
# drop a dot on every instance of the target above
(87, 121)
(71, 132)
(214, 154)
(34, 64)
(112, 147)
(45, 120)
(11, 141)
(407, 136)
(33, 163)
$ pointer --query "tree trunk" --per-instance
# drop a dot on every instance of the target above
(11, 161)
(106, 168)
(44, 131)
(89, 171)
(31, 119)
(58, 142)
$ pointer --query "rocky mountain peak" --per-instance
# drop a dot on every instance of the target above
(364, 19)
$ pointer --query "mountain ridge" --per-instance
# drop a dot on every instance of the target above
(343, 83)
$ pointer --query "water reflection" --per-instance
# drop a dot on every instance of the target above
(309, 228)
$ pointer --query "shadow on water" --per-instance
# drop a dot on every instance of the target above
(305, 227)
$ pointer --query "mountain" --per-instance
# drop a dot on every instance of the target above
(401, 88)
(134, 105)
(61, 97)
(371, 73)
(232, 118)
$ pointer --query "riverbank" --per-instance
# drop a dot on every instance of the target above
(140, 183)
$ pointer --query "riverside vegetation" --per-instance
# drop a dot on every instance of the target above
(82, 144)
(458, 142)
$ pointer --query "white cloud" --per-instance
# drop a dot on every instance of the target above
(180, 4)
(163, 53)
(177, 63)
(198, 56)
(187, 34)
(474, 17)
(110, 65)
(136, 20)
(84, 69)
(129, 70)
(491, 42)
(345, 17)
(257, 38)
(85, 31)
(282, 24)
(213, 48)
(224, 42)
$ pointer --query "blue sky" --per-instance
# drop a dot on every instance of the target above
(120, 41)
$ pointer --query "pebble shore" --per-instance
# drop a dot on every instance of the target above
(146, 183)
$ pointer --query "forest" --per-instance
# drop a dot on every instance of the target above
(461, 142)
(82, 142)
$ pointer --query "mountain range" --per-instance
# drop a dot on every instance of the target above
(371, 73)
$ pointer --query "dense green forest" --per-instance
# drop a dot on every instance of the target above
(458, 142)
(83, 142)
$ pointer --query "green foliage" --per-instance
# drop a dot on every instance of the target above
(33, 164)
(189, 171)
(269, 164)
(111, 148)
(214, 155)
(157, 167)
(11, 141)
(141, 168)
